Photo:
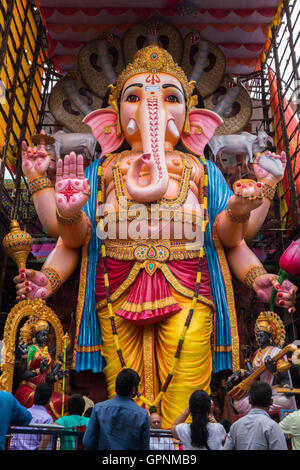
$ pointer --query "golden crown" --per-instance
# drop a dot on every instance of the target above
(152, 59)
(40, 325)
(31, 327)
(271, 323)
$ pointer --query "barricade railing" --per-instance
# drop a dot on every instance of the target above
(55, 437)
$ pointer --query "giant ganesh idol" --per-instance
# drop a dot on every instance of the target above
(148, 300)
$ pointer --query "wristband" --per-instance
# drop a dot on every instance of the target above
(252, 274)
(53, 278)
(237, 219)
(68, 220)
(269, 191)
(37, 184)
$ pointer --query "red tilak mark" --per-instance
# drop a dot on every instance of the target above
(69, 192)
(153, 78)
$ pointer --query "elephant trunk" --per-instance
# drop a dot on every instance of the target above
(152, 124)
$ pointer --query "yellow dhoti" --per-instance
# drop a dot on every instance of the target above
(150, 350)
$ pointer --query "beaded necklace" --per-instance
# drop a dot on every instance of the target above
(196, 289)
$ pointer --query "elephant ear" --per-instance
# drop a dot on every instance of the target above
(203, 124)
(103, 123)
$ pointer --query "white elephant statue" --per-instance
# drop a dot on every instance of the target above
(74, 142)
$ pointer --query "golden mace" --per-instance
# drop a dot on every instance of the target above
(17, 244)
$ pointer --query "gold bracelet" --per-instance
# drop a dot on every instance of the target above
(237, 219)
(68, 220)
(53, 278)
(37, 184)
(252, 274)
(269, 191)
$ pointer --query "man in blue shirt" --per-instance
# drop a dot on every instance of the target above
(119, 423)
(39, 415)
(11, 413)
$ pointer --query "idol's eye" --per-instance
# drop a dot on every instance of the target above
(172, 99)
(132, 98)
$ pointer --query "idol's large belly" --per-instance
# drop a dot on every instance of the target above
(178, 216)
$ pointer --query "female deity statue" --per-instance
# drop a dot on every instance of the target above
(36, 365)
(149, 227)
(270, 337)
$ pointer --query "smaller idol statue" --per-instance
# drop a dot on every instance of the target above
(269, 364)
(35, 367)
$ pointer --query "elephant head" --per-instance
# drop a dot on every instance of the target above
(151, 109)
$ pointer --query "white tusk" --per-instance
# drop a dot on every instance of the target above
(173, 128)
(131, 127)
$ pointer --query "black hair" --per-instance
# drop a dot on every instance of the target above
(260, 394)
(42, 394)
(226, 425)
(152, 409)
(199, 404)
(126, 380)
(76, 404)
(88, 412)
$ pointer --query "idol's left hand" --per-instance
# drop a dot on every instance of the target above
(262, 174)
(286, 292)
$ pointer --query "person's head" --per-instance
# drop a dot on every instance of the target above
(155, 419)
(269, 330)
(41, 337)
(263, 338)
(42, 394)
(200, 405)
(260, 395)
(200, 402)
(76, 404)
(40, 330)
(127, 383)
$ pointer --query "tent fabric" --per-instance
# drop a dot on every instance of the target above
(239, 27)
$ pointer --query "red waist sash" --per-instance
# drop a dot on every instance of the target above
(149, 297)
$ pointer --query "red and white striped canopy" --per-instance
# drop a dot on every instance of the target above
(241, 28)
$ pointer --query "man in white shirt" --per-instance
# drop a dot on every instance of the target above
(158, 442)
(257, 430)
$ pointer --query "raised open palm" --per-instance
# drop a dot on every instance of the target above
(72, 188)
(35, 160)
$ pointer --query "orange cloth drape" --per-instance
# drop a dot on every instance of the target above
(292, 124)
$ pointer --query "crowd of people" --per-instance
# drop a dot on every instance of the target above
(121, 424)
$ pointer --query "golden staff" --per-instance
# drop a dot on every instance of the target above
(17, 244)
(65, 339)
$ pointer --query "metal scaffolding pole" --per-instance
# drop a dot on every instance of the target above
(33, 69)
(293, 202)
(292, 47)
(13, 89)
